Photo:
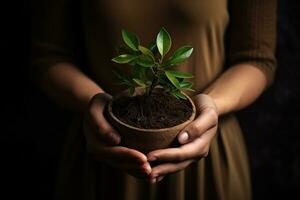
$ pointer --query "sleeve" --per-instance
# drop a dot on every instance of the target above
(251, 35)
(52, 35)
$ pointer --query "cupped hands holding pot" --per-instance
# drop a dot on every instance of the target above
(103, 141)
(195, 141)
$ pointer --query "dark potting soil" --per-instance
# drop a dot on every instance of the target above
(160, 110)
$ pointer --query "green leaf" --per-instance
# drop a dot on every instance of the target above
(178, 74)
(172, 79)
(189, 89)
(179, 95)
(186, 85)
(179, 56)
(130, 39)
(147, 52)
(124, 58)
(140, 82)
(163, 42)
(145, 61)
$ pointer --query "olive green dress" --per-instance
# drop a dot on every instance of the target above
(222, 32)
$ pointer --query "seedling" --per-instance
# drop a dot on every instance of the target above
(150, 65)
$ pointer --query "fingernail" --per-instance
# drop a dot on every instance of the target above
(154, 176)
(153, 180)
(147, 168)
(151, 158)
(159, 178)
(183, 138)
(115, 137)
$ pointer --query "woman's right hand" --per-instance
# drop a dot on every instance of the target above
(102, 141)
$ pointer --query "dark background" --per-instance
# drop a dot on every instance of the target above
(33, 128)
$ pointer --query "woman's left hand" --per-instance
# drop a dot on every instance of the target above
(195, 141)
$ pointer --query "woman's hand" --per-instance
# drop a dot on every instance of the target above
(195, 139)
(102, 141)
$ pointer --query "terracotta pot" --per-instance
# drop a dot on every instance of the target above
(146, 140)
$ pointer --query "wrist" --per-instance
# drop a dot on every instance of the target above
(222, 105)
(204, 101)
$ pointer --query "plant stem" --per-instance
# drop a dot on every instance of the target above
(154, 81)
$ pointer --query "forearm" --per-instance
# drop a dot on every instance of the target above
(237, 87)
(68, 86)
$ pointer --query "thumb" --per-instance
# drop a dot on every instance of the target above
(101, 129)
(99, 125)
(206, 120)
(107, 132)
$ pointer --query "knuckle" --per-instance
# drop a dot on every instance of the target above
(195, 130)
(103, 130)
(213, 114)
(180, 157)
(199, 128)
(105, 134)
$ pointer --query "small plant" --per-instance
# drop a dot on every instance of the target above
(150, 67)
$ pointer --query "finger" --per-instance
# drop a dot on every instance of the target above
(205, 121)
(168, 168)
(194, 150)
(100, 125)
(156, 180)
(107, 132)
(167, 155)
(120, 154)
(159, 178)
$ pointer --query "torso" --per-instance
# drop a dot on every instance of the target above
(201, 24)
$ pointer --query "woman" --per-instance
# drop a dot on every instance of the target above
(233, 63)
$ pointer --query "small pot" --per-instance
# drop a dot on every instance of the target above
(146, 140)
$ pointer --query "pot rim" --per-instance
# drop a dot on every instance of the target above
(192, 117)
